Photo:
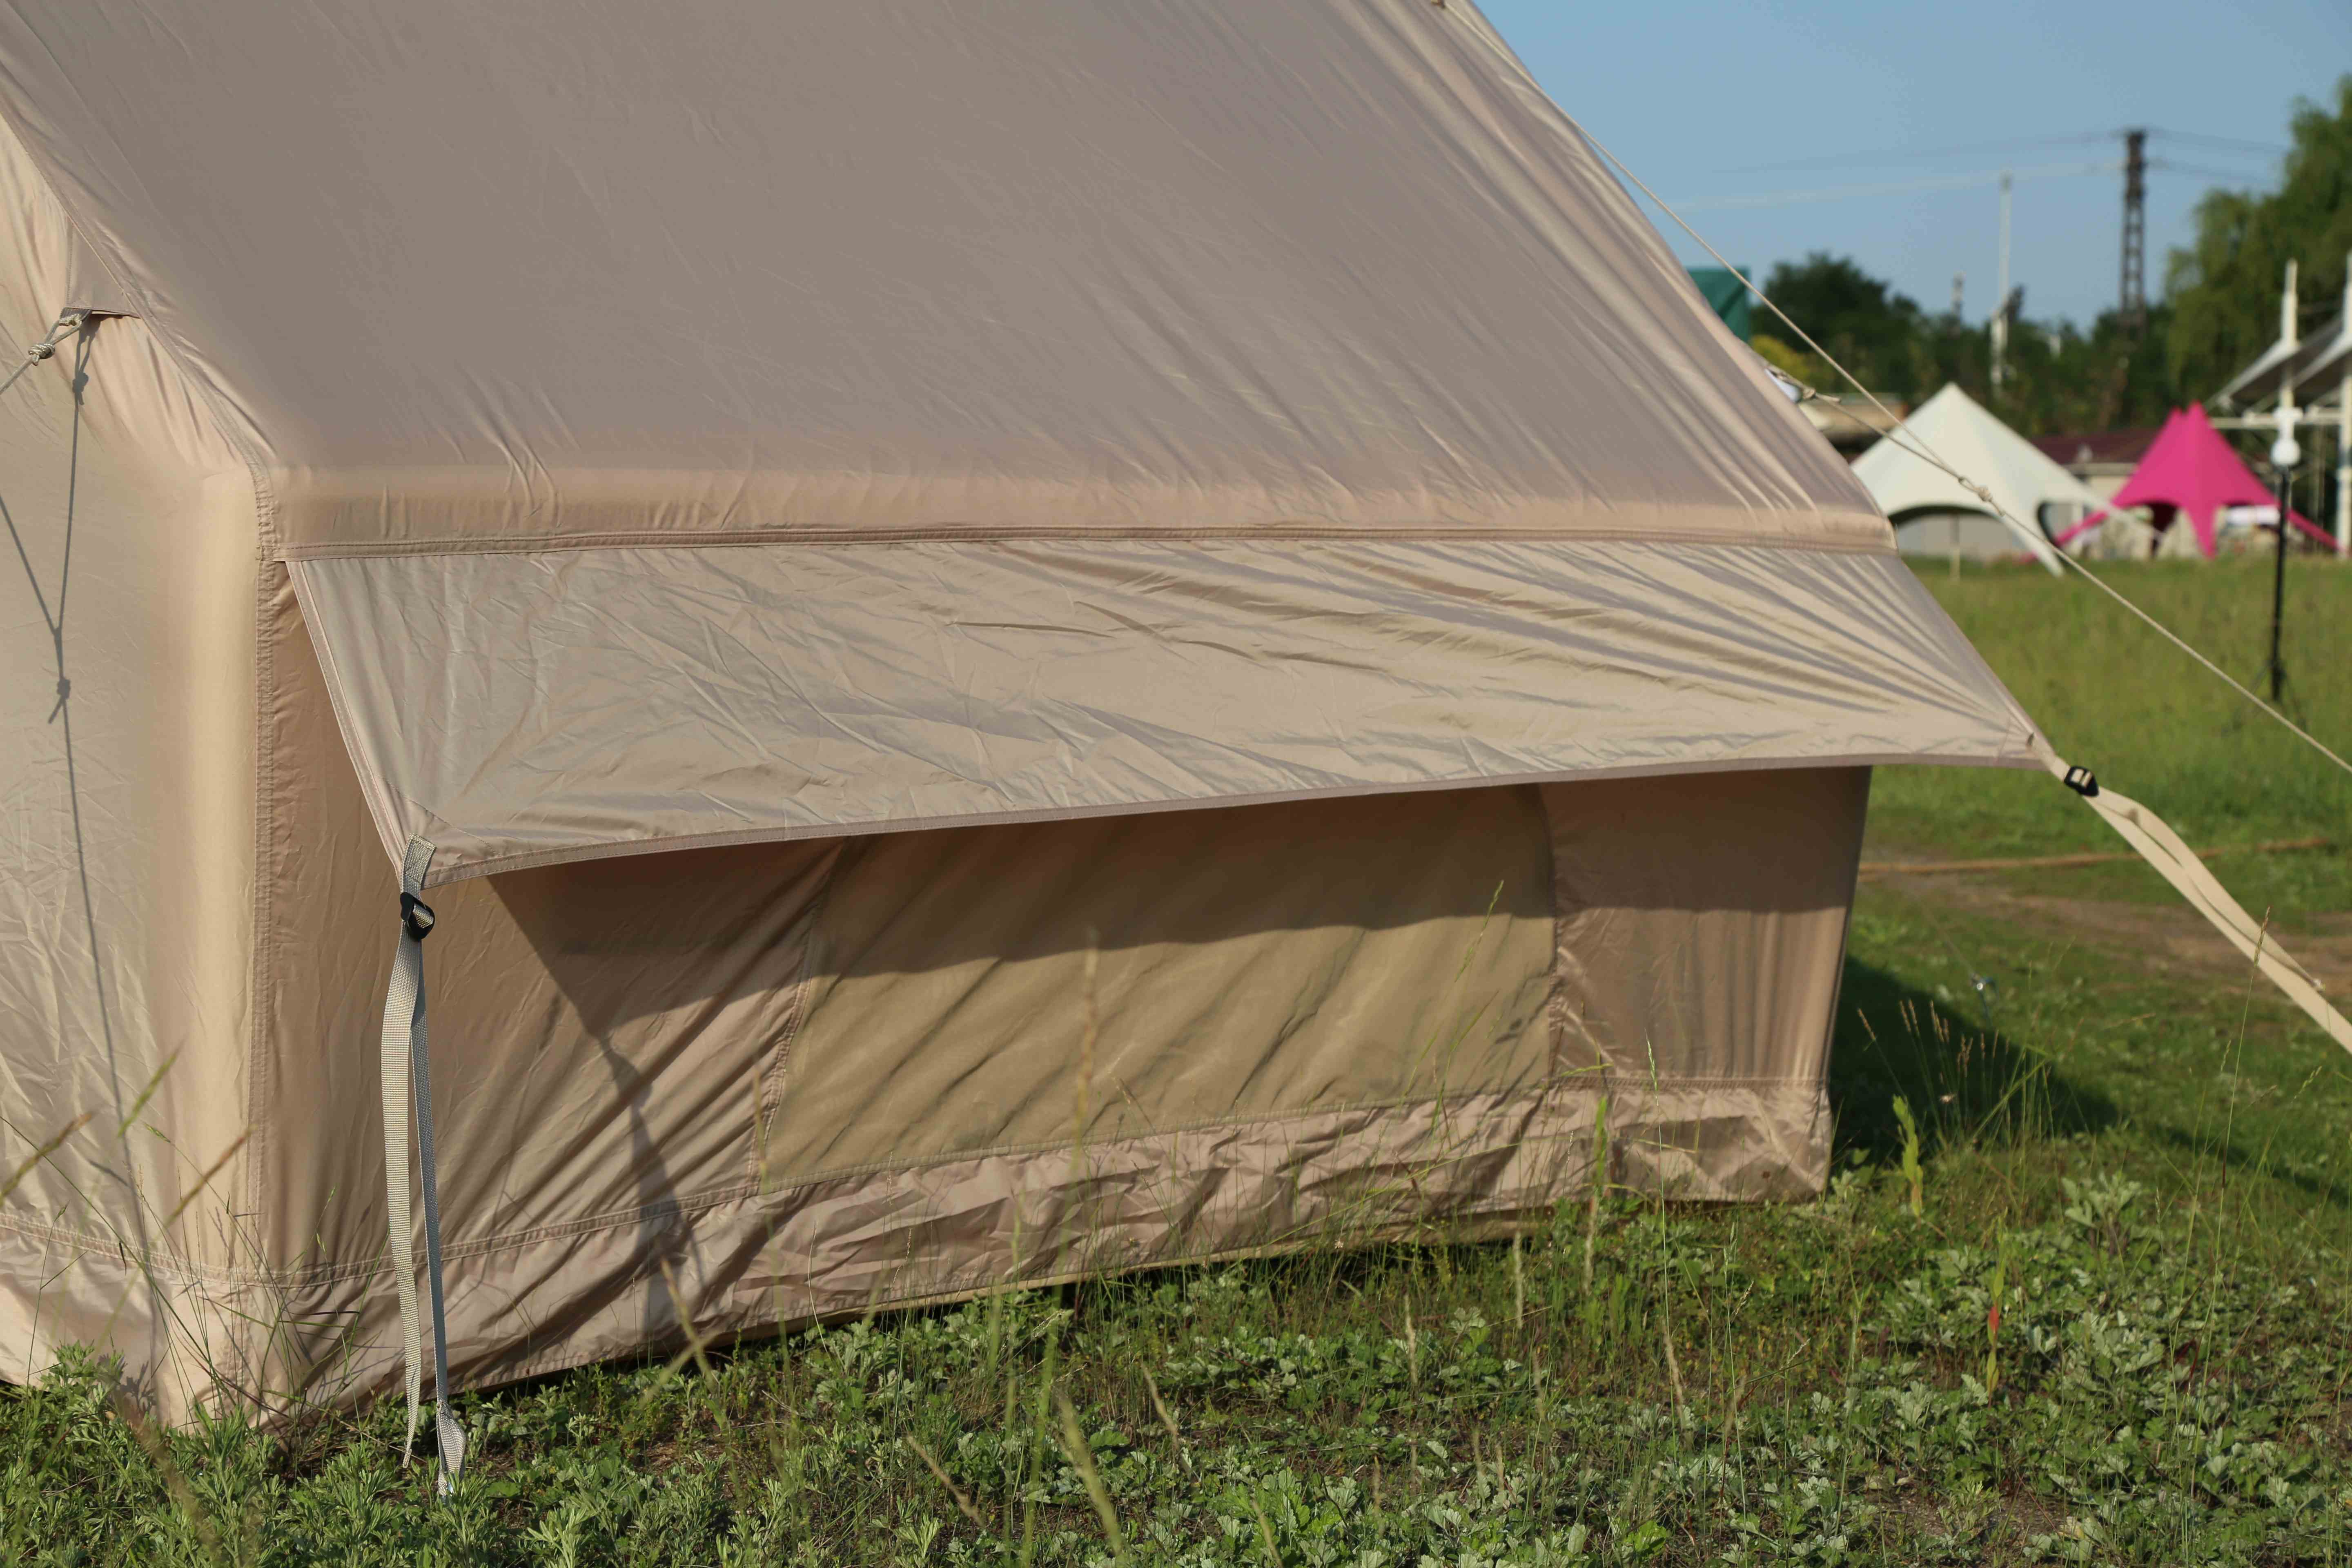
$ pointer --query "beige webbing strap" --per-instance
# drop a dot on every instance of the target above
(2179, 864)
(404, 1020)
(407, 1082)
(451, 1436)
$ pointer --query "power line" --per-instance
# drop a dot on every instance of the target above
(2131, 298)
(1953, 182)
(1900, 187)
(2174, 166)
(1888, 159)
(1920, 154)
(2223, 143)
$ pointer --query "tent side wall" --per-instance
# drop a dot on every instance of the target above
(821, 1076)
(126, 874)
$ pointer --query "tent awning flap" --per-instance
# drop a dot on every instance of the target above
(521, 709)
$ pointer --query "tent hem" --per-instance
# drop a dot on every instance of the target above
(1595, 1077)
(1269, 1186)
(2014, 755)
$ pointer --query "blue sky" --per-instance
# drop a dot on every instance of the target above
(1694, 97)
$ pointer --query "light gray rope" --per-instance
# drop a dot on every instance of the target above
(1926, 456)
(54, 619)
(2025, 531)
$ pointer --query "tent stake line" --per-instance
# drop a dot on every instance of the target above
(2051, 862)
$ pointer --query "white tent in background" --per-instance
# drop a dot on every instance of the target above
(1933, 515)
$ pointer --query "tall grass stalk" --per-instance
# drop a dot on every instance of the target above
(1914, 1176)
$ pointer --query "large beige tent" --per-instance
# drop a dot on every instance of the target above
(1004, 638)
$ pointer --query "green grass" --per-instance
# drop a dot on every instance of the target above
(2148, 1167)
(2115, 697)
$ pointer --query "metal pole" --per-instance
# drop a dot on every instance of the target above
(2284, 455)
(2007, 186)
(2001, 295)
(2131, 298)
(2278, 575)
(2344, 466)
(2344, 436)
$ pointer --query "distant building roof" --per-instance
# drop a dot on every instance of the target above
(2097, 448)
(1729, 298)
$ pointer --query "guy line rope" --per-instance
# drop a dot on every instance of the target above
(2148, 834)
(1905, 438)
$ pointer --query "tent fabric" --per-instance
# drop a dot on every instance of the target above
(2191, 467)
(568, 434)
(1959, 430)
(1225, 359)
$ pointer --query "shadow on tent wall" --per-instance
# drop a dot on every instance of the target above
(1964, 1082)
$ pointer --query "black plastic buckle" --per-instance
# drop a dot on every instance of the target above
(2082, 782)
(416, 916)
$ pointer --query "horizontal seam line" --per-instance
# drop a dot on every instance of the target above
(452, 866)
(560, 544)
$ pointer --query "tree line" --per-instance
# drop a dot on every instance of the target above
(2219, 308)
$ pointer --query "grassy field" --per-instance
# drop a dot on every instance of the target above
(2115, 697)
(2144, 1165)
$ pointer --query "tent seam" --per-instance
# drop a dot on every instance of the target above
(379, 801)
(766, 1107)
(536, 545)
(233, 430)
(455, 868)
(261, 907)
(259, 904)
(1556, 1000)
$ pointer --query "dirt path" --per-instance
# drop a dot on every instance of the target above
(2169, 938)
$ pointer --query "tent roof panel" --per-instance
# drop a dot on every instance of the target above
(1138, 265)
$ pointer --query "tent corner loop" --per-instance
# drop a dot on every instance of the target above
(2178, 864)
(407, 1082)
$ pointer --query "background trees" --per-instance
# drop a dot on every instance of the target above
(2219, 310)
(2225, 284)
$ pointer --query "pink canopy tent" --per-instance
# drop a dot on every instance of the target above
(2191, 467)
